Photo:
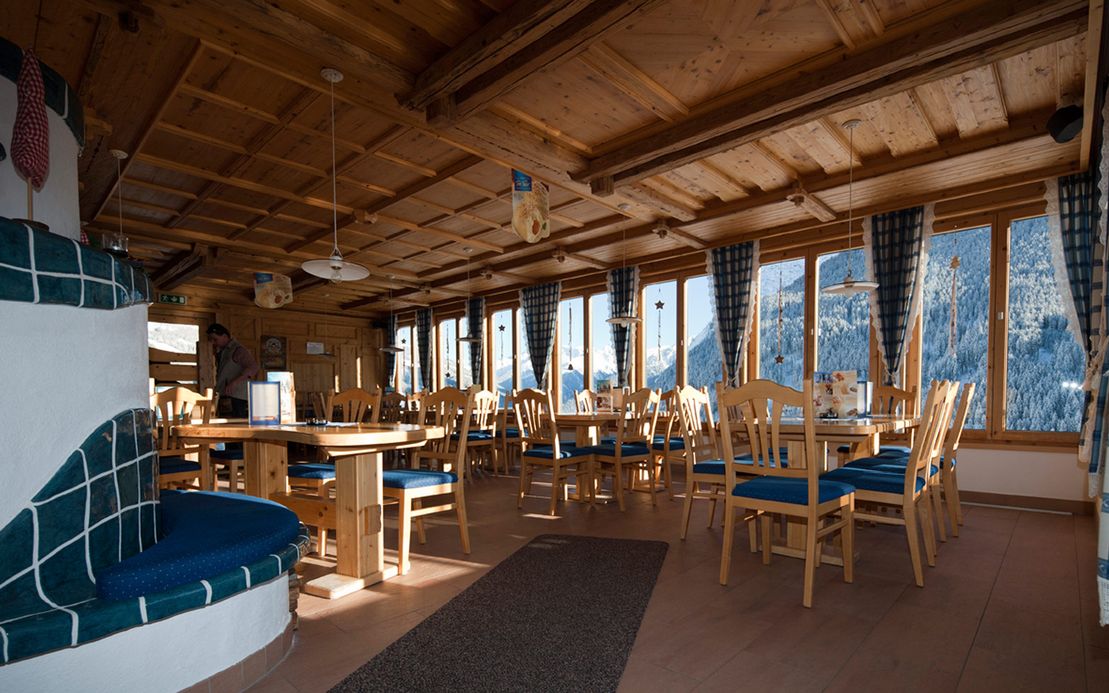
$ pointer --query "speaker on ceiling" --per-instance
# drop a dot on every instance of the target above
(1065, 123)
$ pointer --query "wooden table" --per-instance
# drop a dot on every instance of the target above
(356, 511)
(587, 426)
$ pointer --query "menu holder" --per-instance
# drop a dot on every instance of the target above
(288, 394)
(264, 403)
(841, 394)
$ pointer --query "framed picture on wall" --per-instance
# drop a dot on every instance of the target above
(273, 353)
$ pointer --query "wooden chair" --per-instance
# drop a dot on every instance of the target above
(668, 446)
(410, 487)
(585, 401)
(180, 464)
(631, 450)
(447, 454)
(413, 407)
(481, 441)
(508, 436)
(887, 400)
(898, 492)
(535, 419)
(700, 453)
(391, 409)
(356, 405)
(793, 489)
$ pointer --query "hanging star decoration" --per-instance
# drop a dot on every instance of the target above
(659, 305)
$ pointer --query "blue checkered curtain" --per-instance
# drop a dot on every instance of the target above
(623, 300)
(423, 342)
(732, 271)
(390, 357)
(1098, 375)
(895, 245)
(540, 304)
(475, 322)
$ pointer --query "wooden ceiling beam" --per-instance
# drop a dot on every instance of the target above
(633, 82)
(181, 268)
(1095, 28)
(948, 45)
(529, 36)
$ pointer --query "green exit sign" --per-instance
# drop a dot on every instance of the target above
(175, 299)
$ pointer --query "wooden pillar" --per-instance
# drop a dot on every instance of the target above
(810, 315)
(681, 378)
(587, 351)
(266, 466)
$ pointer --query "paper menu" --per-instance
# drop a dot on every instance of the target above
(841, 394)
(288, 394)
(264, 403)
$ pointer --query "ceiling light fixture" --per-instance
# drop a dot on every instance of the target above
(334, 268)
(391, 348)
(850, 286)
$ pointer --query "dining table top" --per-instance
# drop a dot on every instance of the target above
(854, 426)
(329, 435)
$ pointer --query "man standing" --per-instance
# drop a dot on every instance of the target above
(235, 365)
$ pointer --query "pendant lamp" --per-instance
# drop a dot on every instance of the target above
(469, 338)
(391, 348)
(850, 286)
(115, 243)
(624, 320)
(334, 268)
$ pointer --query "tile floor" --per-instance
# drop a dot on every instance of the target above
(1010, 605)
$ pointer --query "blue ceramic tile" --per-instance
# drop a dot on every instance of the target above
(126, 443)
(98, 618)
(64, 577)
(71, 475)
(59, 290)
(129, 532)
(15, 248)
(149, 524)
(127, 479)
(99, 295)
(102, 499)
(227, 584)
(54, 253)
(98, 449)
(104, 546)
(16, 285)
(20, 597)
(96, 263)
(16, 545)
(176, 600)
(60, 519)
(49, 631)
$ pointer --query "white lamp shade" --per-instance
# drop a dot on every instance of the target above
(335, 269)
(625, 320)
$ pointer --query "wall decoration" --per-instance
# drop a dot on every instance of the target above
(273, 353)
(272, 290)
(531, 210)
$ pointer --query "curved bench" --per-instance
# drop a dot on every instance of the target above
(96, 551)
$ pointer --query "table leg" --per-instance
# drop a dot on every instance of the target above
(266, 466)
(358, 529)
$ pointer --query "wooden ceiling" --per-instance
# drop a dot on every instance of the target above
(663, 127)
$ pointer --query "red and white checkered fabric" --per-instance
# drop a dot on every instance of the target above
(31, 134)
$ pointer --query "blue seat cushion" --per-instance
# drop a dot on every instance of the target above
(871, 479)
(789, 490)
(176, 465)
(626, 450)
(231, 451)
(204, 534)
(675, 443)
(415, 478)
(846, 449)
(899, 456)
(312, 470)
(748, 458)
(887, 464)
(564, 452)
(474, 436)
(511, 433)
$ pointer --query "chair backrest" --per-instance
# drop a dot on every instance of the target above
(585, 401)
(951, 443)
(483, 416)
(354, 403)
(640, 418)
(443, 408)
(535, 419)
(391, 409)
(756, 408)
(696, 426)
(928, 442)
(179, 404)
(889, 400)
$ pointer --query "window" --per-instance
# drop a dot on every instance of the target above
(1045, 363)
(843, 322)
(172, 336)
(602, 354)
(782, 322)
(571, 350)
(448, 353)
(527, 373)
(465, 370)
(702, 362)
(404, 360)
(660, 303)
(961, 355)
(502, 351)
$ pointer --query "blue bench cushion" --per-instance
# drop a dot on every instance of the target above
(676, 443)
(205, 534)
(887, 464)
(626, 450)
(176, 465)
(564, 452)
(474, 436)
(871, 479)
(790, 490)
(415, 478)
(898, 449)
(312, 470)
